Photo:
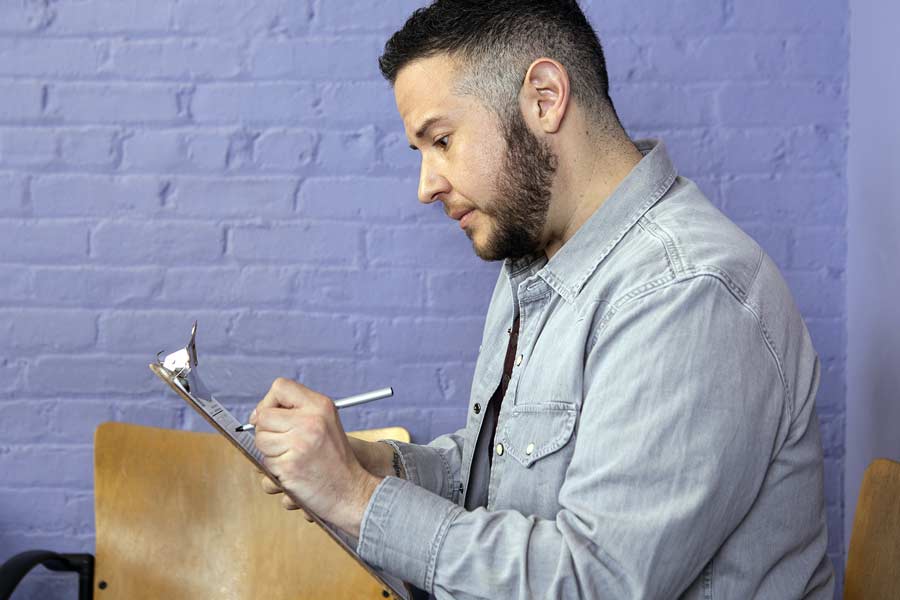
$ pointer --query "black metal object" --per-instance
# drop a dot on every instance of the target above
(17, 567)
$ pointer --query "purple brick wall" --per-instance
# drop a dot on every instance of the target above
(242, 163)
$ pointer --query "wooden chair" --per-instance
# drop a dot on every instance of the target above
(181, 515)
(873, 564)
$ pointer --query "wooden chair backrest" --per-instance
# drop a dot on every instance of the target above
(182, 515)
(873, 564)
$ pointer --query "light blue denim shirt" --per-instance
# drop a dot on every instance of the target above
(658, 438)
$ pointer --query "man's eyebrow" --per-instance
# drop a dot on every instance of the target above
(423, 129)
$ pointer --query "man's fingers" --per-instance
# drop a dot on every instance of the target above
(269, 486)
(278, 420)
(286, 393)
(287, 503)
(272, 444)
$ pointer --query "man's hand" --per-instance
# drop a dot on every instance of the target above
(304, 445)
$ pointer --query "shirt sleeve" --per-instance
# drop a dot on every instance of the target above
(436, 466)
(682, 411)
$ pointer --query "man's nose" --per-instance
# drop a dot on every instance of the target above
(431, 184)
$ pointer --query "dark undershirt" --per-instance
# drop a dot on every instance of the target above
(497, 398)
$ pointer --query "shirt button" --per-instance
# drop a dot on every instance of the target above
(477, 408)
(499, 449)
(529, 449)
(518, 360)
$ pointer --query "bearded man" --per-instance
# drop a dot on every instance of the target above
(641, 421)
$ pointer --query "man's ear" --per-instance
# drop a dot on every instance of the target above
(544, 98)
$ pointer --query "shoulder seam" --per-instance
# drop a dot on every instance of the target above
(659, 284)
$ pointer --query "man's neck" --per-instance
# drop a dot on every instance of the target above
(585, 180)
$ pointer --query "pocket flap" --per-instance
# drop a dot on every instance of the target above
(533, 431)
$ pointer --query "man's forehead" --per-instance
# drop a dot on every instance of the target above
(424, 89)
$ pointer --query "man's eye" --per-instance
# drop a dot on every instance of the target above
(443, 141)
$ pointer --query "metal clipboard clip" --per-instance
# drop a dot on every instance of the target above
(181, 368)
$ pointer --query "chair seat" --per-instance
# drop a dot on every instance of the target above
(181, 515)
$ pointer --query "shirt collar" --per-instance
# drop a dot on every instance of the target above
(579, 257)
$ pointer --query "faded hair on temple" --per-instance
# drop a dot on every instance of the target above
(496, 41)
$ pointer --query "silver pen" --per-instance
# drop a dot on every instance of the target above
(344, 403)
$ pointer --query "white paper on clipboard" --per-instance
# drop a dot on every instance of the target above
(179, 370)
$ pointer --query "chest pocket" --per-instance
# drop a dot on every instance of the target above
(534, 431)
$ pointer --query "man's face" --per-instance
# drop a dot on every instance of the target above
(493, 176)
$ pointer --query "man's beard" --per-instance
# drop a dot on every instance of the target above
(522, 195)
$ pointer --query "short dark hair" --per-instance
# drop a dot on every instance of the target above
(497, 40)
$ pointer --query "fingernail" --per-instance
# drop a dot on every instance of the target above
(253, 417)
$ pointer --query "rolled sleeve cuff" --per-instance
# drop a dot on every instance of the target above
(403, 528)
(426, 467)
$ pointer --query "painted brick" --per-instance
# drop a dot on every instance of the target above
(233, 197)
(29, 330)
(286, 150)
(95, 195)
(90, 147)
(816, 247)
(15, 283)
(643, 105)
(115, 102)
(678, 15)
(776, 241)
(685, 59)
(175, 59)
(77, 286)
(364, 101)
(413, 339)
(30, 421)
(745, 150)
(438, 246)
(360, 15)
(784, 104)
(156, 150)
(156, 242)
(109, 374)
(348, 289)
(338, 58)
(22, 100)
(28, 466)
(818, 293)
(27, 147)
(11, 375)
(208, 151)
(832, 389)
(36, 57)
(43, 242)
(769, 15)
(347, 151)
(146, 332)
(228, 17)
(302, 334)
(831, 428)
(325, 244)
(359, 198)
(462, 292)
(829, 338)
(395, 153)
(21, 17)
(228, 286)
(816, 56)
(275, 103)
(12, 194)
(798, 200)
(819, 148)
(112, 16)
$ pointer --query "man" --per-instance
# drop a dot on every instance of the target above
(641, 421)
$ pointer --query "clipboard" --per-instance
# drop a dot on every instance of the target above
(179, 371)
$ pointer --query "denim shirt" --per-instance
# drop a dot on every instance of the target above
(658, 438)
